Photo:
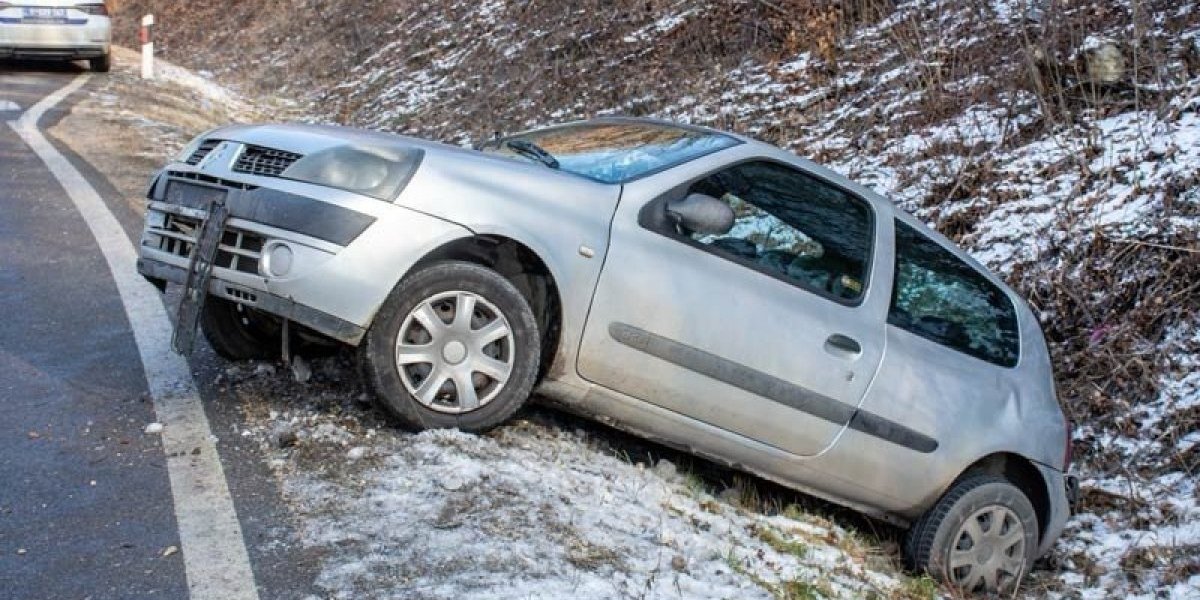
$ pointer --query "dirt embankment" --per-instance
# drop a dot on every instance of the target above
(506, 64)
(268, 46)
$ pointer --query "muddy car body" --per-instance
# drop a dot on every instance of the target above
(702, 289)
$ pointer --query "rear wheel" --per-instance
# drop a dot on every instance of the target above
(980, 537)
(238, 332)
(456, 345)
(101, 64)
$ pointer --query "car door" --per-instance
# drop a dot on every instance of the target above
(772, 331)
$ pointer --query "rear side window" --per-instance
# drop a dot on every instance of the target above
(941, 298)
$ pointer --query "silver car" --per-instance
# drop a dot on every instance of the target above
(57, 30)
(699, 288)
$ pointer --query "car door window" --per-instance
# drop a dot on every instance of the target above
(793, 226)
(940, 297)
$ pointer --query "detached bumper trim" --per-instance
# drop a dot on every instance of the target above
(327, 324)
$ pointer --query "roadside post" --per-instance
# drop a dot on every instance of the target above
(145, 35)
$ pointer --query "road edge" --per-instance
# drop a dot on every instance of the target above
(216, 561)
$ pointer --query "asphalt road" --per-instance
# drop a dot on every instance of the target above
(86, 505)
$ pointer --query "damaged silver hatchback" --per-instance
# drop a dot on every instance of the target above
(699, 288)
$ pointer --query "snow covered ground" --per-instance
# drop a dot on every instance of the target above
(546, 507)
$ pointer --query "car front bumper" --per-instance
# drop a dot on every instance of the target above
(169, 236)
(158, 271)
(344, 254)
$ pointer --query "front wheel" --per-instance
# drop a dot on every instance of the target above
(455, 345)
(980, 537)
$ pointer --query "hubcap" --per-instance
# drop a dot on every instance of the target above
(455, 352)
(989, 551)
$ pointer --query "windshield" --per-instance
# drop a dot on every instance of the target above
(617, 152)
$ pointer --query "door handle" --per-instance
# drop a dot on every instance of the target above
(838, 344)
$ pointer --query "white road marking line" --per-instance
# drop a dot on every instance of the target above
(214, 553)
(8, 105)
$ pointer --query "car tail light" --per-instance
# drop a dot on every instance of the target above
(91, 8)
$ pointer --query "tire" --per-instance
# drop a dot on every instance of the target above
(101, 64)
(237, 332)
(419, 382)
(943, 540)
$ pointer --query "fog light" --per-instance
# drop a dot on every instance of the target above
(277, 260)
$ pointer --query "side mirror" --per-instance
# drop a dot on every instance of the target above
(701, 213)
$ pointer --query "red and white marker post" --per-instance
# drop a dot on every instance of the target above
(145, 35)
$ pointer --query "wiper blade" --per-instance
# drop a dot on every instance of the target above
(534, 151)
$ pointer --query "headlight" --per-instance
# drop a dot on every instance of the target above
(367, 170)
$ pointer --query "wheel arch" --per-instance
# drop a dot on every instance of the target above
(1023, 474)
(521, 265)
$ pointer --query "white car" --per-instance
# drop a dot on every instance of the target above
(56, 30)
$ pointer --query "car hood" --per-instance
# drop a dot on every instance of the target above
(310, 139)
(478, 190)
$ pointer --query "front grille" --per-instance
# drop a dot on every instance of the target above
(257, 160)
(239, 250)
(210, 179)
(202, 150)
